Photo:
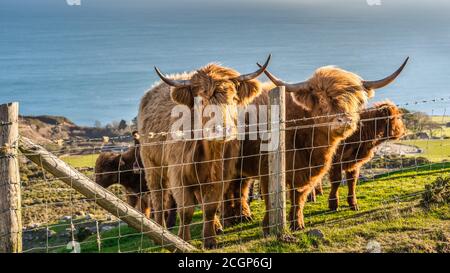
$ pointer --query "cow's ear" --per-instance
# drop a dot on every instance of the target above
(182, 95)
(248, 90)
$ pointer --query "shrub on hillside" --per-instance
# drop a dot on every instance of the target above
(395, 162)
(437, 192)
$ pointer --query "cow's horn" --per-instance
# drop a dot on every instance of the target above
(255, 74)
(383, 82)
(290, 87)
(175, 83)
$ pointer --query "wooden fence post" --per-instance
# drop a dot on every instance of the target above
(10, 196)
(277, 162)
(103, 197)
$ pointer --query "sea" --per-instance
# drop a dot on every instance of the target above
(92, 60)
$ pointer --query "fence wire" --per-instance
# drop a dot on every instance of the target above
(383, 172)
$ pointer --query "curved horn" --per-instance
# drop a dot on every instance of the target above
(290, 87)
(175, 83)
(255, 74)
(383, 82)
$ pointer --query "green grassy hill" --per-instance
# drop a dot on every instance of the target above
(389, 214)
(436, 150)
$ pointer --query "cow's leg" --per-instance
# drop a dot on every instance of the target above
(155, 183)
(312, 196)
(217, 224)
(242, 210)
(228, 205)
(352, 179)
(185, 200)
(212, 197)
(133, 200)
(298, 199)
(264, 188)
(335, 181)
(157, 203)
(145, 204)
(171, 215)
(251, 194)
(319, 188)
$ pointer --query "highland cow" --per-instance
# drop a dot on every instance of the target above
(320, 113)
(378, 124)
(195, 170)
(126, 169)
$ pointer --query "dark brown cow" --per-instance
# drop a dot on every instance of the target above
(127, 170)
(378, 124)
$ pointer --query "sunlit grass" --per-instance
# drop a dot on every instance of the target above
(389, 213)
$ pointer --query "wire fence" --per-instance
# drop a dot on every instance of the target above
(214, 196)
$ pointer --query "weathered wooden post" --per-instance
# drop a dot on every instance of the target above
(277, 161)
(10, 196)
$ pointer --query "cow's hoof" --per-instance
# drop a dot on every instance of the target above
(297, 226)
(219, 230)
(333, 205)
(352, 203)
(312, 198)
(229, 222)
(246, 218)
(354, 207)
(210, 243)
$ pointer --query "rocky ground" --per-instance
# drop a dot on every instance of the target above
(390, 148)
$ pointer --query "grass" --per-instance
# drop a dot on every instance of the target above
(389, 214)
(81, 161)
(440, 119)
(435, 150)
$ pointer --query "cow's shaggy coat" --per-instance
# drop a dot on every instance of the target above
(378, 124)
(318, 119)
(195, 171)
(127, 170)
(123, 168)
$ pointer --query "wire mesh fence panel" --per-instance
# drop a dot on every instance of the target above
(350, 185)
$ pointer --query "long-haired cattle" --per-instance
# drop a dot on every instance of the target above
(124, 169)
(194, 170)
(378, 124)
(127, 170)
(320, 113)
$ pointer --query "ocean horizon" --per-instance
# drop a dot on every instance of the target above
(95, 61)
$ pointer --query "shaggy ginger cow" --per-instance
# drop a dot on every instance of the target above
(378, 124)
(194, 170)
(320, 113)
